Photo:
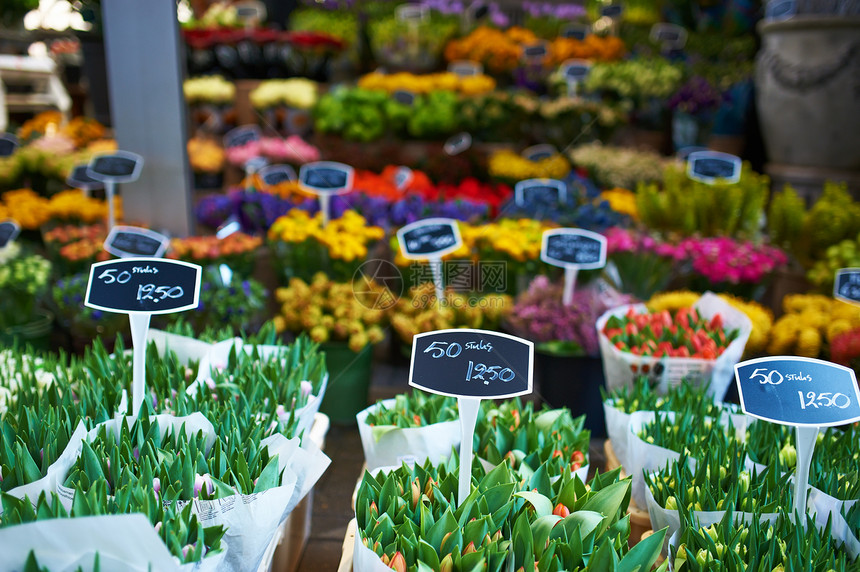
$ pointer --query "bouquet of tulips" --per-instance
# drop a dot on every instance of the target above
(704, 342)
(412, 427)
(407, 520)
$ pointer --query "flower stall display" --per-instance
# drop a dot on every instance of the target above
(414, 427)
(593, 47)
(610, 166)
(690, 207)
(729, 546)
(347, 320)
(418, 311)
(501, 522)
(81, 322)
(427, 83)
(760, 316)
(209, 99)
(32, 211)
(207, 159)
(292, 149)
(302, 246)
(238, 251)
(644, 84)
(413, 45)
(499, 51)
(539, 315)
(822, 238)
(512, 167)
(693, 107)
(24, 282)
(237, 303)
(548, 441)
(286, 103)
(809, 323)
(704, 341)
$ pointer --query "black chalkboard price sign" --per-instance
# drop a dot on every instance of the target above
(117, 167)
(242, 136)
(576, 31)
(471, 363)
(79, 179)
(846, 286)
(8, 144)
(9, 230)
(575, 70)
(539, 152)
(429, 238)
(143, 285)
(404, 97)
(326, 177)
(534, 51)
(711, 167)
(612, 11)
(465, 68)
(542, 189)
(131, 241)
(573, 247)
(670, 35)
(276, 174)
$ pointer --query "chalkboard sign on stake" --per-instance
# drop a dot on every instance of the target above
(539, 152)
(430, 239)
(711, 167)
(804, 392)
(250, 13)
(141, 287)
(116, 167)
(846, 286)
(458, 143)
(575, 70)
(612, 11)
(324, 179)
(471, 365)
(573, 249)
(276, 174)
(8, 144)
(404, 97)
(540, 187)
(79, 179)
(669, 35)
(465, 68)
(780, 9)
(228, 227)
(132, 241)
(411, 13)
(242, 135)
(402, 177)
(534, 52)
(9, 231)
(576, 31)
(111, 169)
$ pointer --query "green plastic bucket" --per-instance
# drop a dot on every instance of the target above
(348, 381)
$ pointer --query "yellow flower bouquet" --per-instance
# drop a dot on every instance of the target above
(302, 246)
(332, 311)
(810, 323)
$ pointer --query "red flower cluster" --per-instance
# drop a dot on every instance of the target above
(684, 334)
(845, 348)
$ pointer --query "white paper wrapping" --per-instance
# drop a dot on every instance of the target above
(186, 349)
(622, 368)
(217, 357)
(251, 521)
(391, 446)
(124, 543)
(617, 428)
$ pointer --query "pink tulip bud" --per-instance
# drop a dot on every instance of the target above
(156, 485)
(203, 480)
(186, 549)
(306, 387)
(280, 411)
(158, 527)
(210, 383)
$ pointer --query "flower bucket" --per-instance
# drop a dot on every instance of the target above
(348, 383)
(573, 382)
(36, 332)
